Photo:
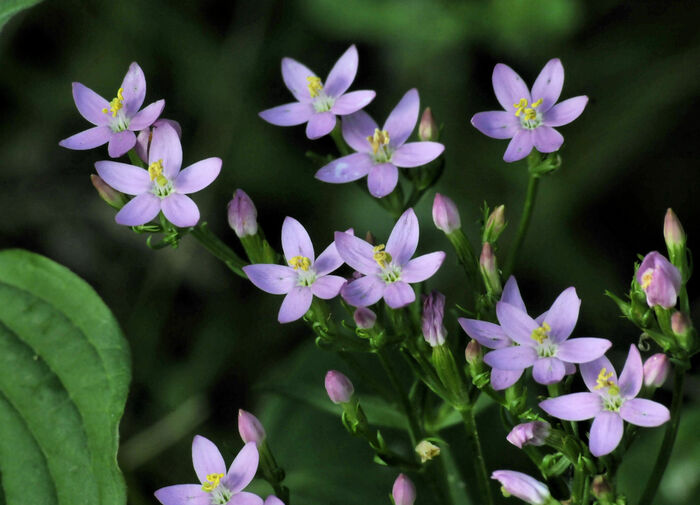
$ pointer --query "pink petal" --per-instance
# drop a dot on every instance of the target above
(632, 374)
(416, 154)
(320, 124)
(273, 500)
(516, 323)
(516, 357)
(206, 458)
(342, 74)
(120, 143)
(546, 139)
(346, 169)
(88, 139)
(642, 412)
(166, 147)
(422, 267)
(402, 119)
(352, 102)
(243, 468)
(146, 117)
(548, 84)
(245, 498)
(294, 75)
(590, 371)
(273, 279)
(399, 294)
(124, 177)
(509, 87)
(563, 314)
(90, 105)
(565, 112)
(356, 128)
(497, 124)
(295, 304)
(511, 294)
(487, 334)
(134, 85)
(573, 407)
(290, 114)
(180, 210)
(191, 494)
(519, 146)
(403, 240)
(364, 291)
(356, 252)
(328, 260)
(548, 371)
(582, 350)
(140, 210)
(296, 240)
(382, 179)
(328, 286)
(606, 433)
(197, 176)
(502, 379)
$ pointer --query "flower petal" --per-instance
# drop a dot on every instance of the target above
(120, 143)
(497, 124)
(296, 240)
(632, 374)
(606, 433)
(511, 294)
(563, 314)
(352, 102)
(548, 371)
(422, 267)
(364, 291)
(356, 252)
(342, 74)
(416, 154)
(590, 371)
(273, 500)
(502, 379)
(403, 240)
(124, 177)
(87, 139)
(402, 119)
(328, 260)
(197, 176)
(643, 412)
(243, 468)
(546, 139)
(289, 114)
(516, 357)
(180, 210)
(569, 368)
(520, 146)
(206, 458)
(399, 294)
(582, 350)
(516, 323)
(166, 147)
(565, 112)
(295, 304)
(294, 75)
(139, 210)
(320, 124)
(487, 334)
(328, 286)
(509, 87)
(134, 85)
(273, 279)
(573, 407)
(245, 498)
(191, 494)
(147, 116)
(90, 104)
(346, 169)
(356, 128)
(548, 84)
(382, 179)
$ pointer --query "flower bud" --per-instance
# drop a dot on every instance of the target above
(433, 313)
(403, 492)
(601, 488)
(673, 231)
(445, 214)
(110, 195)
(522, 486)
(489, 270)
(364, 318)
(495, 224)
(242, 215)
(427, 450)
(660, 280)
(427, 128)
(532, 433)
(680, 324)
(250, 428)
(472, 353)
(370, 238)
(143, 139)
(656, 369)
(338, 387)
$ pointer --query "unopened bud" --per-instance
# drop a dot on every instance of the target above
(680, 324)
(364, 318)
(427, 128)
(110, 195)
(489, 270)
(242, 215)
(532, 433)
(143, 139)
(673, 231)
(495, 224)
(403, 492)
(433, 314)
(427, 450)
(445, 214)
(369, 238)
(472, 353)
(601, 488)
(338, 387)
(656, 369)
(250, 428)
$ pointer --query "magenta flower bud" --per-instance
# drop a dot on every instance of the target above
(532, 433)
(433, 312)
(250, 428)
(113, 197)
(427, 128)
(522, 486)
(364, 318)
(338, 387)
(680, 324)
(445, 214)
(656, 369)
(673, 230)
(660, 280)
(489, 269)
(495, 224)
(242, 215)
(472, 353)
(403, 492)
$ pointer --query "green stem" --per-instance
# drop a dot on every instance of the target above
(523, 226)
(414, 431)
(135, 160)
(337, 137)
(482, 476)
(669, 438)
(214, 245)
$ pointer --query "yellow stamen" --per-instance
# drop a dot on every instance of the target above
(155, 170)
(540, 334)
(315, 86)
(382, 257)
(298, 262)
(530, 113)
(647, 277)
(380, 138)
(116, 104)
(604, 380)
(212, 482)
(520, 106)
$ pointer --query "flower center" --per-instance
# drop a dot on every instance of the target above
(306, 276)
(541, 334)
(611, 399)
(647, 277)
(220, 494)
(545, 348)
(162, 187)
(530, 117)
(382, 257)
(300, 262)
(213, 480)
(314, 85)
(321, 102)
(380, 145)
(390, 272)
(119, 121)
(116, 104)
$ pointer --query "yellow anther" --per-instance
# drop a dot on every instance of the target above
(520, 106)
(647, 277)
(382, 257)
(302, 262)
(314, 85)
(604, 380)
(116, 104)
(213, 480)
(540, 334)
(155, 170)
(380, 138)
(530, 112)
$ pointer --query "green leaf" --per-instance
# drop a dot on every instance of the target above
(9, 8)
(64, 376)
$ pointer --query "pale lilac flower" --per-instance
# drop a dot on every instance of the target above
(364, 318)
(338, 387)
(609, 402)
(403, 492)
(660, 280)
(304, 278)
(656, 369)
(217, 485)
(242, 214)
(388, 270)
(529, 117)
(522, 486)
(380, 152)
(317, 103)
(144, 138)
(116, 121)
(249, 427)
(433, 314)
(272, 500)
(161, 187)
(445, 214)
(532, 433)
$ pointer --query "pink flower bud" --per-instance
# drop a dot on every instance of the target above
(250, 428)
(522, 486)
(364, 318)
(495, 224)
(110, 195)
(660, 280)
(472, 353)
(445, 214)
(427, 128)
(532, 433)
(338, 387)
(404, 492)
(242, 215)
(680, 324)
(433, 313)
(656, 369)
(673, 230)
(489, 269)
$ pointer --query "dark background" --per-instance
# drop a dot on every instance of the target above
(206, 343)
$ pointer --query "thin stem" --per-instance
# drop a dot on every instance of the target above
(523, 226)
(337, 137)
(477, 455)
(214, 245)
(414, 431)
(669, 438)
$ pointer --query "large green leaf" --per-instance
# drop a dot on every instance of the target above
(64, 375)
(9, 8)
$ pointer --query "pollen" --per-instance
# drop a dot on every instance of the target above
(155, 170)
(382, 257)
(116, 104)
(647, 277)
(604, 380)
(300, 262)
(540, 334)
(379, 139)
(213, 480)
(529, 113)
(314, 85)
